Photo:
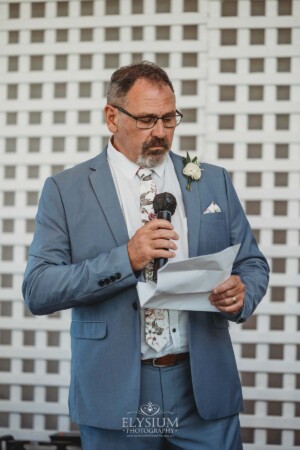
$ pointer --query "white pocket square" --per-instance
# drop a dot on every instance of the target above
(212, 208)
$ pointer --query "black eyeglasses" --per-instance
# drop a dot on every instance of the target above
(146, 122)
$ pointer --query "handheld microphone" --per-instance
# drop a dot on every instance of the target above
(164, 206)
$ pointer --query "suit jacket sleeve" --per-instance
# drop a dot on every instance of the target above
(51, 281)
(250, 264)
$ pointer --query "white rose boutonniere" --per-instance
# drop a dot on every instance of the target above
(191, 170)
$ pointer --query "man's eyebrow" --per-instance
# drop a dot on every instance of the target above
(171, 113)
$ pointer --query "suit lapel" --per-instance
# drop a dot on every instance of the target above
(104, 188)
(192, 205)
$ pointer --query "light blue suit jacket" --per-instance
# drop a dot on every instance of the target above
(78, 259)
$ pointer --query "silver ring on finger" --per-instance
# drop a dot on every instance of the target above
(234, 299)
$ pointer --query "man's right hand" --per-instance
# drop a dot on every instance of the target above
(153, 240)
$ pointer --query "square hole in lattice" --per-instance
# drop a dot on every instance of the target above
(62, 35)
(189, 115)
(278, 265)
(30, 225)
(137, 33)
(14, 10)
(137, 7)
(37, 36)
(6, 309)
(34, 144)
(60, 90)
(4, 392)
(53, 338)
(229, 8)
(277, 294)
(253, 179)
(26, 421)
(190, 5)
(10, 145)
(255, 121)
(284, 7)
(12, 63)
(162, 59)
(256, 93)
(188, 87)
(282, 92)
(190, 32)
(275, 380)
(276, 322)
(225, 150)
(27, 393)
(32, 198)
(249, 407)
(86, 34)
(228, 37)
(61, 62)
(276, 351)
(284, 64)
(8, 225)
(9, 172)
(282, 121)
(58, 144)
(297, 437)
(28, 337)
(253, 207)
(281, 151)
(52, 366)
(274, 436)
(35, 90)
(33, 171)
(12, 92)
(7, 253)
(188, 143)
(189, 60)
(38, 9)
(250, 324)
(51, 394)
(84, 116)
(227, 93)
(51, 422)
(112, 7)
(248, 378)
(226, 122)
(256, 65)
(256, 234)
(137, 57)
(8, 198)
(13, 37)
(279, 237)
(274, 408)
(112, 34)
(248, 351)
(163, 6)
(281, 179)
(86, 61)
(258, 8)
(284, 36)
(247, 435)
(59, 117)
(62, 9)
(35, 118)
(85, 89)
(5, 336)
(227, 65)
(56, 169)
(11, 118)
(87, 7)
(162, 33)
(83, 144)
(5, 365)
(111, 60)
(257, 36)
(4, 420)
(28, 365)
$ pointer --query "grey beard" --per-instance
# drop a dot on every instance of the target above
(151, 161)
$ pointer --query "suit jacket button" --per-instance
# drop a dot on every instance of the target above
(101, 283)
(112, 278)
(117, 275)
(106, 281)
(135, 306)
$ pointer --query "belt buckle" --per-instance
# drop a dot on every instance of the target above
(154, 364)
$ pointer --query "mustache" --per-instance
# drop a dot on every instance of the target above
(156, 142)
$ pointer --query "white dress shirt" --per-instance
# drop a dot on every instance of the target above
(127, 184)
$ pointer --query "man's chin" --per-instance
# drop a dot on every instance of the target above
(152, 160)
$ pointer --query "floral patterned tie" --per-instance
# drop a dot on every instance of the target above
(156, 320)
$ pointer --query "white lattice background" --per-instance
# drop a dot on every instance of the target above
(235, 67)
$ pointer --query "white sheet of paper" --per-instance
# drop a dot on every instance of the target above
(186, 285)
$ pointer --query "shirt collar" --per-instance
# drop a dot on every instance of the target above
(127, 167)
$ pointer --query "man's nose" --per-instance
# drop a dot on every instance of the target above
(159, 129)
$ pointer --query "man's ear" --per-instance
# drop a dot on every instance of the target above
(111, 118)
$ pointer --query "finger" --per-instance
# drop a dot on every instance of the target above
(229, 284)
(159, 223)
(227, 294)
(164, 244)
(226, 302)
(163, 234)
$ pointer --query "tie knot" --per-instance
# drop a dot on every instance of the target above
(144, 173)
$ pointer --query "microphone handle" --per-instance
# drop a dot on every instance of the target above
(160, 262)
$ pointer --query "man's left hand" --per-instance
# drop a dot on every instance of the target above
(229, 296)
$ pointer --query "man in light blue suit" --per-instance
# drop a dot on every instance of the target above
(90, 249)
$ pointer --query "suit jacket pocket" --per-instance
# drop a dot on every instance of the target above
(219, 321)
(88, 330)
